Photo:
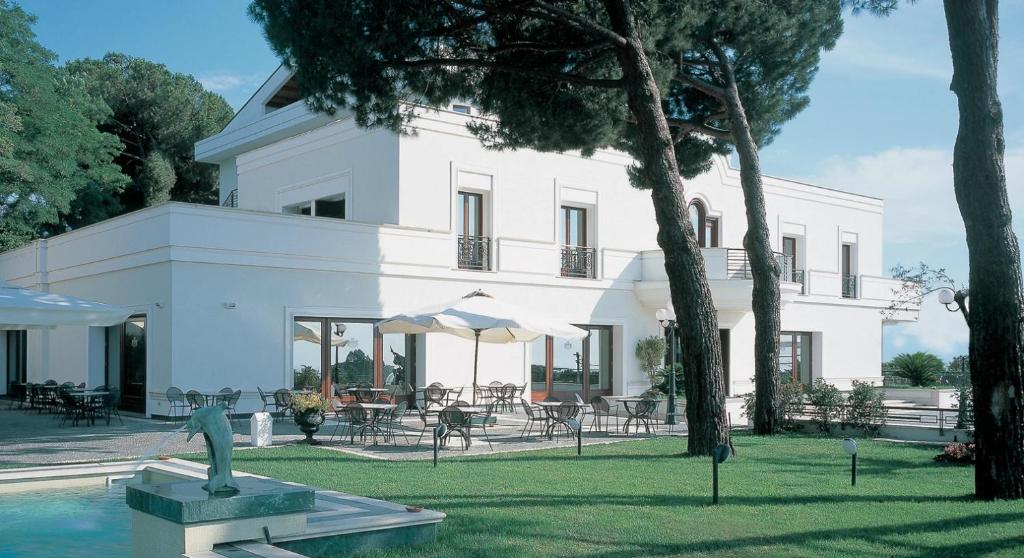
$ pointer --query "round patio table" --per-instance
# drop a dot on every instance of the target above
(88, 397)
(549, 409)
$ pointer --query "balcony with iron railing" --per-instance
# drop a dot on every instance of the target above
(578, 261)
(474, 252)
(737, 264)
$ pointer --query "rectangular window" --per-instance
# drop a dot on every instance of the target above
(470, 214)
(354, 353)
(462, 109)
(574, 226)
(849, 274)
(304, 208)
(711, 232)
(333, 207)
(795, 356)
(17, 358)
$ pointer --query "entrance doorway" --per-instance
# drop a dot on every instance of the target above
(126, 362)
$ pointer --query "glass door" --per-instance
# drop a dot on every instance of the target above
(133, 364)
(563, 368)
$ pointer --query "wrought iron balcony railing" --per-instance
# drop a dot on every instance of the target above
(578, 261)
(849, 286)
(232, 199)
(474, 252)
(738, 267)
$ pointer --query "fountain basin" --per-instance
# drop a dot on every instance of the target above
(336, 524)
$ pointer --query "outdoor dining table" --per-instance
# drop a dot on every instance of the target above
(372, 413)
(468, 410)
(630, 403)
(549, 409)
(87, 397)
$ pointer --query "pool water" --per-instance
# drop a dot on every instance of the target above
(86, 522)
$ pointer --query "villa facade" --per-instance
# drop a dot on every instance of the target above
(325, 228)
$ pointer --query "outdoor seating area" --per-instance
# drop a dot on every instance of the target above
(72, 404)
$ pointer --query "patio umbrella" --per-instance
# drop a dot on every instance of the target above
(29, 309)
(480, 317)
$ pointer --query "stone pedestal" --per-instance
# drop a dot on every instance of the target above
(172, 519)
(261, 429)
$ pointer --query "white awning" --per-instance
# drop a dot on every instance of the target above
(28, 309)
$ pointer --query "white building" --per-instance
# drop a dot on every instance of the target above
(328, 227)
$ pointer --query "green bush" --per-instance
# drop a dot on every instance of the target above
(792, 402)
(920, 368)
(664, 380)
(866, 408)
(828, 404)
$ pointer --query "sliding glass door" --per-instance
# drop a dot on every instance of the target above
(563, 368)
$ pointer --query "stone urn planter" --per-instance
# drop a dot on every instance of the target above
(309, 422)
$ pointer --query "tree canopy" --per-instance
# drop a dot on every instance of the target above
(158, 115)
(50, 147)
(549, 74)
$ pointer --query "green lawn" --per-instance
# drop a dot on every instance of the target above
(788, 496)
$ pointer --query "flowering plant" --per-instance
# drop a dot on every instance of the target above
(308, 402)
(957, 453)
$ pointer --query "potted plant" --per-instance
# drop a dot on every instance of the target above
(308, 412)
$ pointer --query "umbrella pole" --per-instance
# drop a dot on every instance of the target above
(476, 360)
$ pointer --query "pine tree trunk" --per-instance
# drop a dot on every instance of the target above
(763, 266)
(996, 303)
(691, 296)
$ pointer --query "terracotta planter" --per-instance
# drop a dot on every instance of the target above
(309, 423)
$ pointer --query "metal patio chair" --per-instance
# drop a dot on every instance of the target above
(603, 409)
(177, 403)
(533, 416)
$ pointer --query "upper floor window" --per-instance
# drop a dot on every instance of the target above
(474, 248)
(577, 254)
(792, 269)
(462, 109)
(329, 206)
(288, 93)
(848, 263)
(704, 226)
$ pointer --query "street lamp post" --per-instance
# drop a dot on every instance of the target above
(668, 322)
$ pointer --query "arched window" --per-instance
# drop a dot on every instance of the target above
(706, 228)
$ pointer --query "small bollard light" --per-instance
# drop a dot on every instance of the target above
(718, 455)
(577, 426)
(850, 446)
(439, 431)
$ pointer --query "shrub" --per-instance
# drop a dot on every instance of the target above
(305, 402)
(957, 453)
(650, 353)
(792, 402)
(828, 404)
(664, 380)
(866, 408)
(920, 369)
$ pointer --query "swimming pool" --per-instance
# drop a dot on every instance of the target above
(89, 522)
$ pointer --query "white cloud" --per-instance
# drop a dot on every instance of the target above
(917, 186)
(223, 83)
(862, 54)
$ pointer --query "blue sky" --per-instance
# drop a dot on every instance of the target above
(881, 121)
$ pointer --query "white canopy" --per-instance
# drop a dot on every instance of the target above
(479, 312)
(481, 317)
(28, 309)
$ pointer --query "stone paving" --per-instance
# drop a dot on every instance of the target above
(30, 438)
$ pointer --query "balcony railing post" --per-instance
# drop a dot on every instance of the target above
(849, 286)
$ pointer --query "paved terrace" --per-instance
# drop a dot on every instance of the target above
(29, 438)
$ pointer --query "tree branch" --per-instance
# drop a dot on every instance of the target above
(582, 23)
(479, 63)
(700, 85)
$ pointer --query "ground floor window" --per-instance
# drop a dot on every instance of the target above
(563, 368)
(17, 358)
(795, 356)
(353, 352)
(126, 362)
